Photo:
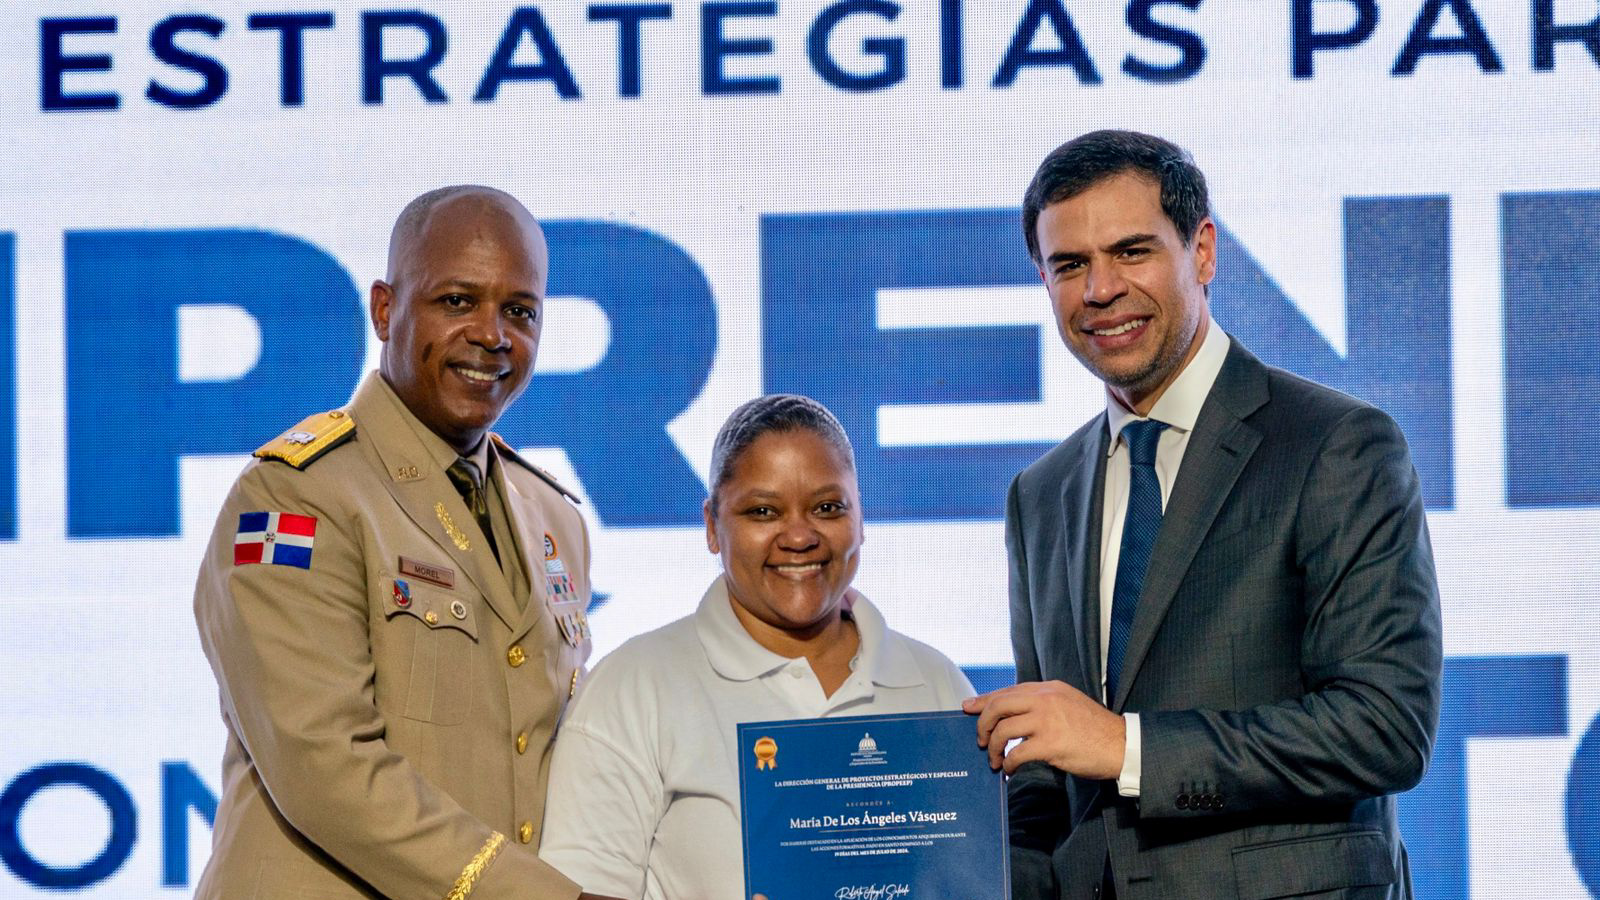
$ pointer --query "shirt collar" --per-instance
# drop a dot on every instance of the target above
(735, 655)
(1179, 406)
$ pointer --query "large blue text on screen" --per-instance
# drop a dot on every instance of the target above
(1397, 260)
(1397, 264)
(737, 53)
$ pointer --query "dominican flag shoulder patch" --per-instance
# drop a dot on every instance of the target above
(276, 538)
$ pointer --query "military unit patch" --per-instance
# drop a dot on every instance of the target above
(552, 557)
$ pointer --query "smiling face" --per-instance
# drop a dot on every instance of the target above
(787, 523)
(460, 321)
(1129, 294)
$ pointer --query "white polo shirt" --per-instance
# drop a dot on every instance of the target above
(644, 784)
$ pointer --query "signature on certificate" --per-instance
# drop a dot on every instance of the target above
(872, 892)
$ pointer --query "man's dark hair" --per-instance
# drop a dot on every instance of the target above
(1085, 161)
(772, 413)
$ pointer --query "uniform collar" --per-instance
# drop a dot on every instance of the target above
(480, 458)
(440, 452)
(735, 655)
(1179, 406)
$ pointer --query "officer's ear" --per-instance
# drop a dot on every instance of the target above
(379, 304)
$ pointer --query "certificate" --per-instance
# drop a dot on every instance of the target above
(892, 807)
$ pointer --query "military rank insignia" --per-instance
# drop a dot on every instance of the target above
(567, 607)
(562, 589)
(274, 538)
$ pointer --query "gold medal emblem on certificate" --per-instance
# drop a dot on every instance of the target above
(766, 754)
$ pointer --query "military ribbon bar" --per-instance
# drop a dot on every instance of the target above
(274, 538)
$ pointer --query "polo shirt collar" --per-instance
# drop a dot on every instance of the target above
(735, 655)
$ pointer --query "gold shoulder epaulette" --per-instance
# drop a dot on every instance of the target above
(505, 449)
(302, 445)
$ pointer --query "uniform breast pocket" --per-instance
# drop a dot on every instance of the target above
(434, 640)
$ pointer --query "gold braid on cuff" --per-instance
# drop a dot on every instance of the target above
(474, 870)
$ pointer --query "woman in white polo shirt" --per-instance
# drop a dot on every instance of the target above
(644, 785)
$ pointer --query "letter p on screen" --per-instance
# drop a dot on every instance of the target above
(138, 401)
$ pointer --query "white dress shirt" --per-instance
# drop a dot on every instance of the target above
(644, 785)
(1178, 408)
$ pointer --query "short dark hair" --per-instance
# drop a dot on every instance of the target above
(1085, 161)
(772, 413)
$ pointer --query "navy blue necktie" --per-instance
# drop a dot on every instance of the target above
(1139, 529)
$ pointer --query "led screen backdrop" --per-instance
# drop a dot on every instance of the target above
(760, 196)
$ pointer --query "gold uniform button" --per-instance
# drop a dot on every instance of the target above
(516, 656)
(432, 618)
(522, 742)
(525, 833)
(573, 687)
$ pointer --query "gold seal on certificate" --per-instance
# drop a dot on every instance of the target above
(766, 753)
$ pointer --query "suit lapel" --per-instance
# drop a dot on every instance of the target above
(1219, 449)
(421, 489)
(1081, 502)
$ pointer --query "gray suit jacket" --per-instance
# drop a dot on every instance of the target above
(1284, 660)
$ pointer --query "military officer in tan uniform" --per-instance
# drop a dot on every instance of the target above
(393, 600)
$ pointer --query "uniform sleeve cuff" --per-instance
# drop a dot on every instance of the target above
(516, 873)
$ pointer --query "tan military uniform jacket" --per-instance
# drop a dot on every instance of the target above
(387, 740)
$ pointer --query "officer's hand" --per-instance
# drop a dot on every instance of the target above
(1058, 724)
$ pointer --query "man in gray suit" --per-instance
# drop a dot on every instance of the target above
(1223, 601)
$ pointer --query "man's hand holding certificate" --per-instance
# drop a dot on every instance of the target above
(871, 808)
(1057, 724)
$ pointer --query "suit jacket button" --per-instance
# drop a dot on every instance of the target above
(516, 656)
(1183, 801)
(1216, 801)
